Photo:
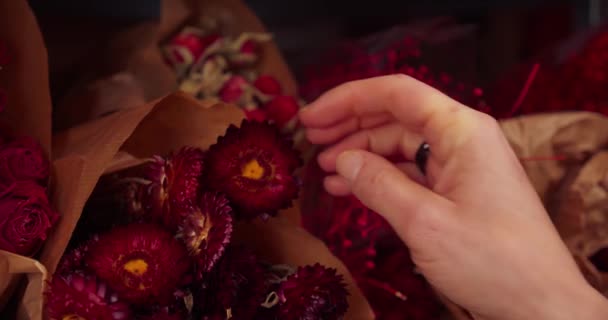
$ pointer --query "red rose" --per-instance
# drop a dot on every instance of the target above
(23, 159)
(25, 218)
(282, 109)
(268, 85)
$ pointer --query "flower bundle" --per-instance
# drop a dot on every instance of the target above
(26, 217)
(211, 65)
(169, 251)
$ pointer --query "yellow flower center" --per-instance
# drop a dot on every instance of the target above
(253, 170)
(72, 317)
(136, 267)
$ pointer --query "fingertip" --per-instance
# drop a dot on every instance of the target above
(337, 186)
(327, 161)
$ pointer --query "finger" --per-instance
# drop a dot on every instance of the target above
(444, 123)
(385, 189)
(339, 186)
(386, 140)
(338, 131)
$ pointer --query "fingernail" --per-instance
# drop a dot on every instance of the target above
(349, 164)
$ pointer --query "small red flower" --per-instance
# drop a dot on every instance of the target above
(235, 289)
(26, 218)
(281, 109)
(194, 43)
(268, 85)
(249, 47)
(77, 296)
(23, 159)
(257, 115)
(169, 183)
(313, 292)
(206, 229)
(233, 89)
(143, 263)
(253, 165)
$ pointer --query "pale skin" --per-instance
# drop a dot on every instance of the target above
(474, 224)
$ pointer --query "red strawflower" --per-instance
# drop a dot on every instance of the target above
(257, 115)
(253, 165)
(26, 218)
(77, 296)
(143, 263)
(235, 288)
(268, 85)
(233, 89)
(23, 159)
(206, 229)
(313, 292)
(170, 183)
(281, 109)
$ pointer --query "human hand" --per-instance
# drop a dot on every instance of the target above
(475, 226)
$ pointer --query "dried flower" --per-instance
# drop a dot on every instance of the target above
(23, 159)
(257, 115)
(253, 165)
(235, 289)
(73, 260)
(26, 218)
(234, 89)
(268, 85)
(77, 296)
(313, 292)
(143, 263)
(281, 109)
(206, 229)
(169, 183)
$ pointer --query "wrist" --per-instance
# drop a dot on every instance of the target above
(571, 302)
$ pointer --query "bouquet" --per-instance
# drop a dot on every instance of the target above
(195, 232)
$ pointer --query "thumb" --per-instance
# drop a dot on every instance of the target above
(385, 189)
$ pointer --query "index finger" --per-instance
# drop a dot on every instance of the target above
(419, 107)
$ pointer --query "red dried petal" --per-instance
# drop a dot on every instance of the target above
(206, 229)
(313, 292)
(268, 85)
(236, 286)
(79, 296)
(282, 109)
(143, 263)
(172, 183)
(73, 260)
(253, 165)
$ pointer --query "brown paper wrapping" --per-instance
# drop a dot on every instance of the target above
(28, 112)
(123, 139)
(573, 135)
